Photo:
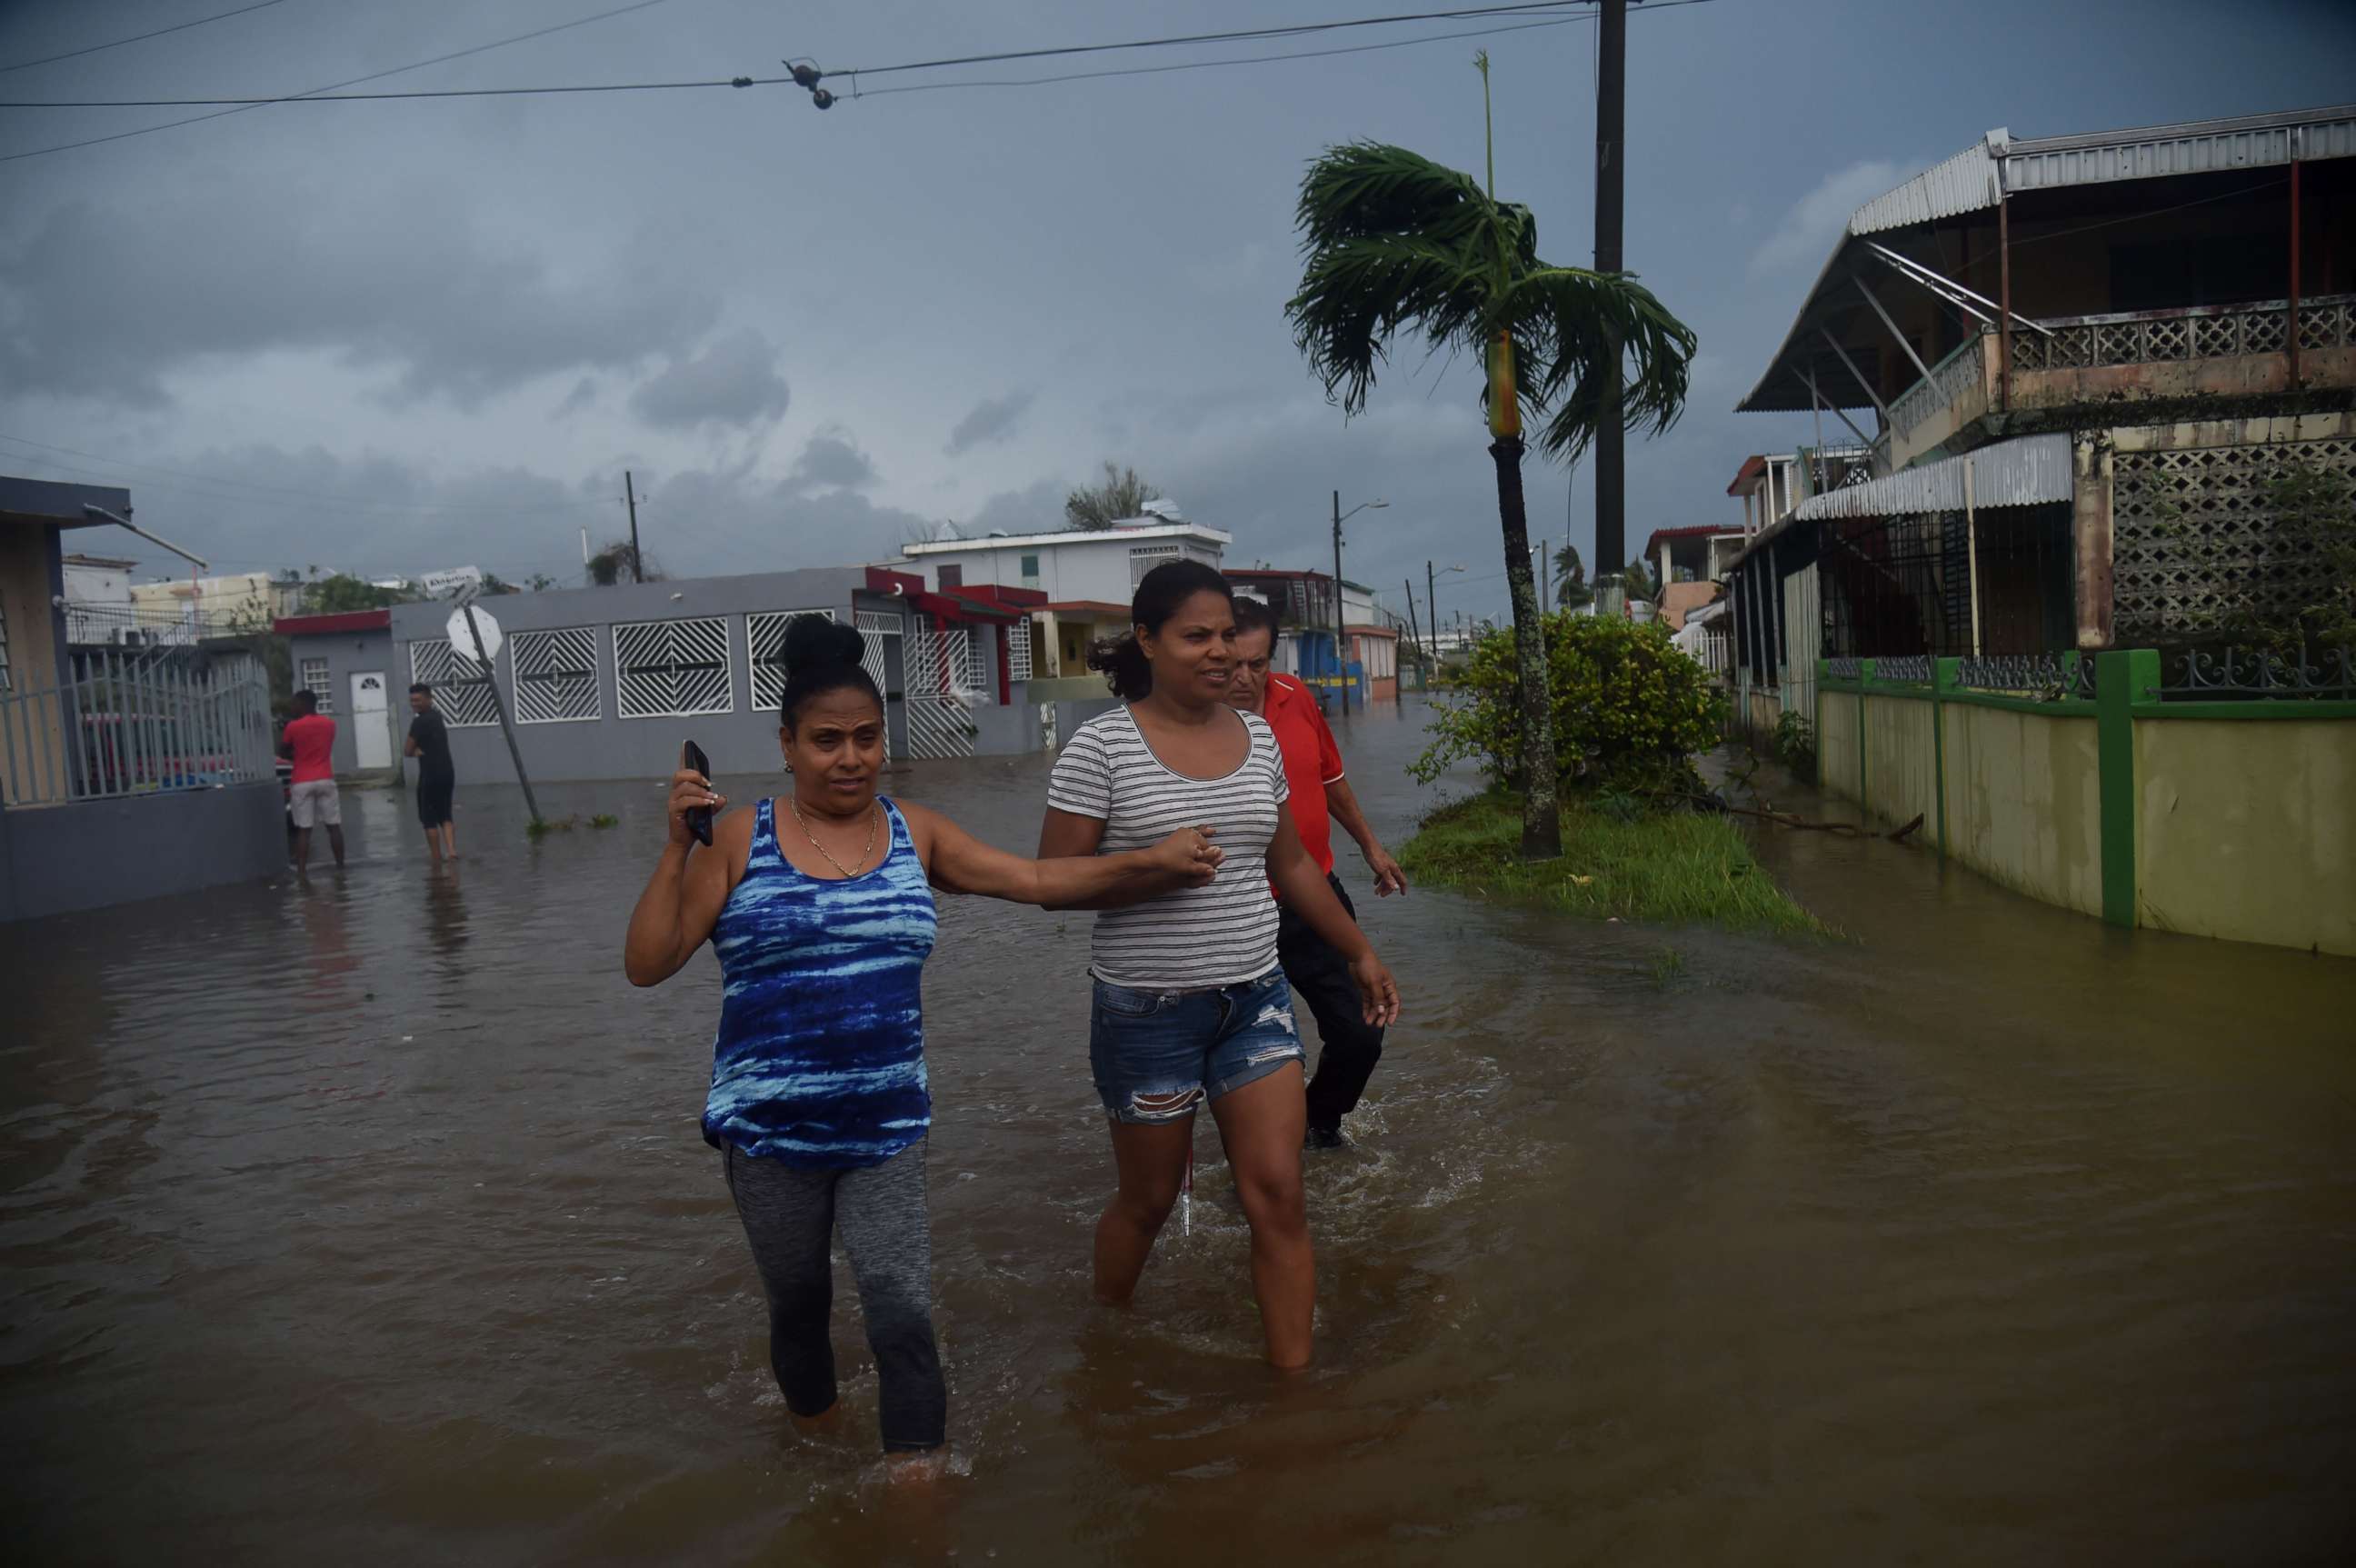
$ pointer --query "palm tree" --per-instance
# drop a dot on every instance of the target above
(1395, 242)
(1571, 589)
(1642, 586)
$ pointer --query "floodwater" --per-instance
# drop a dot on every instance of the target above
(366, 1222)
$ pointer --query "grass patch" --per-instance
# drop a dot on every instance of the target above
(1669, 868)
(536, 830)
(605, 819)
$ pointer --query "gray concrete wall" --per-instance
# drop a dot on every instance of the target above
(348, 653)
(93, 854)
(741, 741)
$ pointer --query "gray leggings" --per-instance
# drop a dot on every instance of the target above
(789, 1214)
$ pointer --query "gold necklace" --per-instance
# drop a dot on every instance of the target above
(875, 814)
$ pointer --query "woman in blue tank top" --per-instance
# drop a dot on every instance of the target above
(819, 906)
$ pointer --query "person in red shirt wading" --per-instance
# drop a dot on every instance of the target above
(310, 740)
(1321, 796)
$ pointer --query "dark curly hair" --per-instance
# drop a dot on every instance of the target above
(1167, 587)
(822, 656)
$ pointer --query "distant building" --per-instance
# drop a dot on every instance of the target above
(1689, 562)
(1100, 565)
(252, 600)
(1367, 659)
(98, 596)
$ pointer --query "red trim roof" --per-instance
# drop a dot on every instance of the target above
(998, 593)
(329, 624)
(1753, 467)
(1697, 531)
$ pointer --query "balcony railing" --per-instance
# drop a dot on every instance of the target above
(2197, 332)
(1951, 379)
(128, 724)
(149, 625)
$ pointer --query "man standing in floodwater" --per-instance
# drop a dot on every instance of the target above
(1320, 795)
(438, 776)
(309, 741)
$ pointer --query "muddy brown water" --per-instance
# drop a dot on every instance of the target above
(367, 1220)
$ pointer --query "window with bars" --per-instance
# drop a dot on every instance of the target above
(764, 644)
(315, 681)
(671, 669)
(1018, 650)
(461, 694)
(1144, 558)
(556, 675)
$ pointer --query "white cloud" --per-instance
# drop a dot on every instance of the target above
(1818, 219)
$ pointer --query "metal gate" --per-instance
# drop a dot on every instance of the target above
(940, 690)
(873, 628)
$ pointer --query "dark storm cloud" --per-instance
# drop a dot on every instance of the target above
(734, 382)
(106, 297)
(831, 460)
(992, 419)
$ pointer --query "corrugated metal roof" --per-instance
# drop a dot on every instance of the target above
(2200, 147)
(2029, 471)
(1965, 183)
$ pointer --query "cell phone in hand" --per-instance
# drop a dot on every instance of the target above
(698, 818)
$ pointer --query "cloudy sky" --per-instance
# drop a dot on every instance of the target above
(395, 337)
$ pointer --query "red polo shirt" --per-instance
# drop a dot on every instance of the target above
(1311, 761)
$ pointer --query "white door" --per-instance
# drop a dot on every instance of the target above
(370, 734)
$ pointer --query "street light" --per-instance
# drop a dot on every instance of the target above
(1340, 665)
(1431, 600)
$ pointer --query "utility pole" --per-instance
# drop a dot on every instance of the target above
(1611, 167)
(1413, 629)
(1431, 604)
(1341, 664)
(629, 494)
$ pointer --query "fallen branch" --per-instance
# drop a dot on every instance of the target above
(1786, 819)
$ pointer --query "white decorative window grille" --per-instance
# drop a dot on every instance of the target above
(670, 669)
(315, 681)
(556, 676)
(1018, 650)
(2197, 545)
(764, 643)
(1144, 558)
(461, 694)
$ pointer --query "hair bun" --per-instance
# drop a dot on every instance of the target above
(812, 642)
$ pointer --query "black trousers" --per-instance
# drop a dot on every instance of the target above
(1350, 1046)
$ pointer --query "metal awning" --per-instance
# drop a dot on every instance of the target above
(2030, 471)
(1835, 339)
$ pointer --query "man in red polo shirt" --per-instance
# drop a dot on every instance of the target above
(1321, 796)
(309, 739)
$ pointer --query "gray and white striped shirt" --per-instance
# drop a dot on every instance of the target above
(1195, 937)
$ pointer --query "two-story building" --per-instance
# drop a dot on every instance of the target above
(2078, 366)
(1084, 577)
(1362, 667)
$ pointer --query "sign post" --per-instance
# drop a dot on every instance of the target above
(484, 632)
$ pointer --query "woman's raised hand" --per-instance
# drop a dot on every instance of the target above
(690, 790)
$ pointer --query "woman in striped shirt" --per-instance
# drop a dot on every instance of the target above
(1190, 1004)
(818, 905)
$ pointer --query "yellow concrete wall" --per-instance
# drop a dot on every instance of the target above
(1901, 763)
(2246, 830)
(2024, 802)
(1836, 743)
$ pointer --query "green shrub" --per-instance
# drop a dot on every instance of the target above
(1795, 745)
(1630, 709)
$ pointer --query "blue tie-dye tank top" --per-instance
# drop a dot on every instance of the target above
(819, 1059)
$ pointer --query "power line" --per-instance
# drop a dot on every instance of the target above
(140, 37)
(1238, 36)
(1553, 9)
(1209, 64)
(335, 86)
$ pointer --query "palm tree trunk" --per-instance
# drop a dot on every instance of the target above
(1541, 812)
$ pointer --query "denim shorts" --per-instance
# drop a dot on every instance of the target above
(1157, 1055)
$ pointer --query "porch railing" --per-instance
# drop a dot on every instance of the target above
(2197, 332)
(1950, 379)
(127, 723)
